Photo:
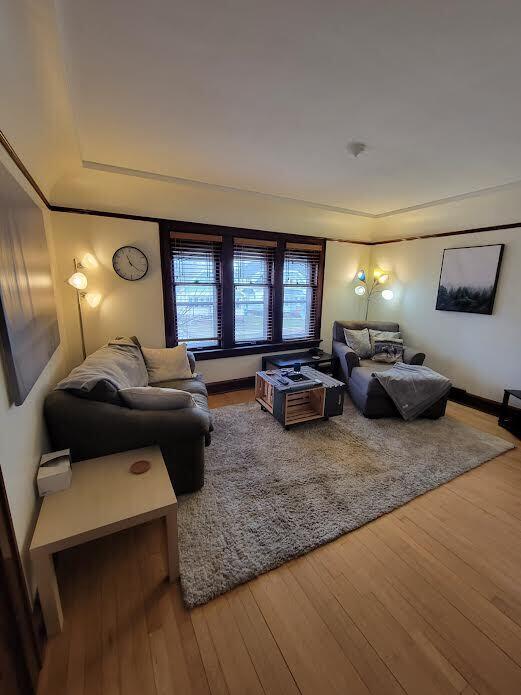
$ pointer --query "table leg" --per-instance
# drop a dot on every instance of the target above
(48, 591)
(503, 413)
(172, 545)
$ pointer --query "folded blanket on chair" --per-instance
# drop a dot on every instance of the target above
(412, 388)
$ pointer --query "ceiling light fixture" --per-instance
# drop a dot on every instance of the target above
(356, 148)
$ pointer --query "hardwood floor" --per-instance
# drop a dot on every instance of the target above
(424, 600)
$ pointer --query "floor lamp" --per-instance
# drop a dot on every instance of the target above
(362, 289)
(79, 281)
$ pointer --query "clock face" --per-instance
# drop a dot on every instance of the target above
(130, 263)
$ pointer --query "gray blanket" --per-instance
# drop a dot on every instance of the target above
(413, 388)
(119, 363)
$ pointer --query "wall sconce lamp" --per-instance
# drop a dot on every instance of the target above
(78, 280)
(362, 289)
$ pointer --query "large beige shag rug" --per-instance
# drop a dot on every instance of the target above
(271, 494)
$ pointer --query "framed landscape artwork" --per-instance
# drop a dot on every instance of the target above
(469, 278)
(29, 332)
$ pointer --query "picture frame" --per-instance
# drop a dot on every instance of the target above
(29, 332)
(469, 278)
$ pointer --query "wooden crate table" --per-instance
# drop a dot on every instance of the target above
(319, 396)
(104, 497)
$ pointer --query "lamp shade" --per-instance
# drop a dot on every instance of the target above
(387, 294)
(383, 278)
(93, 299)
(78, 281)
(88, 261)
(360, 290)
(361, 275)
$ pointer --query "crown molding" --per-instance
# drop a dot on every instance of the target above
(143, 218)
(124, 171)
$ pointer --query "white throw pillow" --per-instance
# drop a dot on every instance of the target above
(165, 364)
(358, 341)
(156, 398)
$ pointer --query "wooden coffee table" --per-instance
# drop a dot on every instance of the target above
(104, 497)
(317, 396)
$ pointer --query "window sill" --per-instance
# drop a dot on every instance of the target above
(218, 353)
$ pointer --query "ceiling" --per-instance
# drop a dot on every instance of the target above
(264, 96)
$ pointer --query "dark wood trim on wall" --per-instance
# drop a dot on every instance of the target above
(168, 289)
(486, 405)
(147, 218)
(22, 168)
(245, 382)
(476, 230)
(23, 623)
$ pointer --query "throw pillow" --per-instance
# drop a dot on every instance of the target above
(359, 342)
(388, 351)
(382, 335)
(156, 398)
(165, 364)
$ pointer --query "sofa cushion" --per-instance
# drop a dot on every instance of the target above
(358, 341)
(338, 327)
(156, 398)
(193, 385)
(115, 366)
(167, 363)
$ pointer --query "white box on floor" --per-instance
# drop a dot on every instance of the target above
(55, 472)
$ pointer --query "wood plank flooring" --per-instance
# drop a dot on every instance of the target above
(426, 600)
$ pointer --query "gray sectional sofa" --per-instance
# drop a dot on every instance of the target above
(96, 423)
(365, 390)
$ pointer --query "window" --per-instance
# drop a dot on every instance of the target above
(253, 290)
(196, 277)
(235, 291)
(300, 279)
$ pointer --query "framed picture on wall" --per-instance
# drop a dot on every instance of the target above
(29, 332)
(468, 279)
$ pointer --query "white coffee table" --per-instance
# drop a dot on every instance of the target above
(104, 497)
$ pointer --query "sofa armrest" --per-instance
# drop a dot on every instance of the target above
(191, 360)
(413, 356)
(347, 357)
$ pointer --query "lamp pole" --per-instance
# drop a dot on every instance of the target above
(80, 316)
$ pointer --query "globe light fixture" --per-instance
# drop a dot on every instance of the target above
(78, 281)
(374, 289)
(88, 262)
(93, 299)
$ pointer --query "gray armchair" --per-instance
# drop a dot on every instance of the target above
(366, 392)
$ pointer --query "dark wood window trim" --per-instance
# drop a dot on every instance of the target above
(229, 348)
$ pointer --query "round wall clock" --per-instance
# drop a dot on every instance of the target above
(130, 263)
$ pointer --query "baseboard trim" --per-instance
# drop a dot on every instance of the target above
(486, 405)
(245, 382)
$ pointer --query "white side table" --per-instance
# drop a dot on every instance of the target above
(104, 498)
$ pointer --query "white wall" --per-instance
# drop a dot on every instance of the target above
(478, 353)
(127, 308)
(130, 308)
(22, 432)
